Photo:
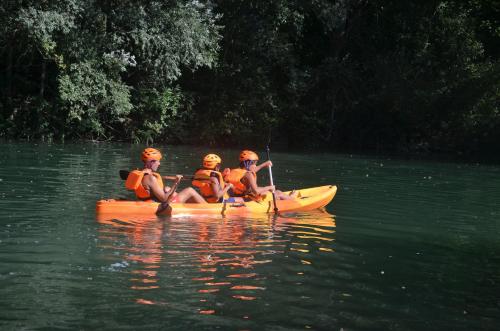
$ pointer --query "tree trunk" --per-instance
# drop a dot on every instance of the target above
(42, 78)
(8, 89)
(329, 133)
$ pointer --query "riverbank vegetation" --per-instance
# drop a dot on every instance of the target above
(385, 75)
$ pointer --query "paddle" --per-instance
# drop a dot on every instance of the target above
(271, 180)
(124, 176)
(172, 190)
(166, 204)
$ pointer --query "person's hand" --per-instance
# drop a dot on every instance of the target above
(269, 164)
(178, 178)
(272, 188)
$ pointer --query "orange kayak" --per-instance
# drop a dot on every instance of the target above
(309, 199)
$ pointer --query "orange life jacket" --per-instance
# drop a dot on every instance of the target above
(202, 181)
(134, 183)
(234, 177)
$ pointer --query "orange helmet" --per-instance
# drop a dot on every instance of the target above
(248, 155)
(210, 161)
(150, 154)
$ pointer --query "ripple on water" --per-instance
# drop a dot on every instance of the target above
(229, 257)
(412, 247)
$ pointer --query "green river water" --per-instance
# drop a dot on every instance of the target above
(405, 245)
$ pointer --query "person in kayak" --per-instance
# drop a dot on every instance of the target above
(210, 182)
(148, 184)
(244, 179)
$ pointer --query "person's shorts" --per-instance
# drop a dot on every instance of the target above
(229, 200)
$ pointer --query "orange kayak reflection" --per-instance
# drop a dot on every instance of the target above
(211, 256)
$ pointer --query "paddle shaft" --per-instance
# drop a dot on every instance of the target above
(124, 175)
(271, 180)
(172, 191)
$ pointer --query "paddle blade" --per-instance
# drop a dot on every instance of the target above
(124, 174)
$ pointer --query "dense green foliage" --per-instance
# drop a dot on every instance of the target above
(412, 76)
(100, 69)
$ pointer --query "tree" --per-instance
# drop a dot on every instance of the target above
(101, 56)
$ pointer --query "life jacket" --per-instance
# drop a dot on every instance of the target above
(204, 184)
(234, 177)
(134, 183)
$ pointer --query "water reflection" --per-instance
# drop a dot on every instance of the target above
(138, 242)
(230, 258)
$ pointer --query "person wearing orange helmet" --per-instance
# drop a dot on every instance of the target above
(244, 179)
(209, 180)
(148, 184)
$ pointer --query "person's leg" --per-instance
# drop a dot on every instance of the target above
(189, 194)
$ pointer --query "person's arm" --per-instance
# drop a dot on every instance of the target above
(227, 188)
(170, 193)
(157, 191)
(216, 188)
(253, 185)
(263, 165)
